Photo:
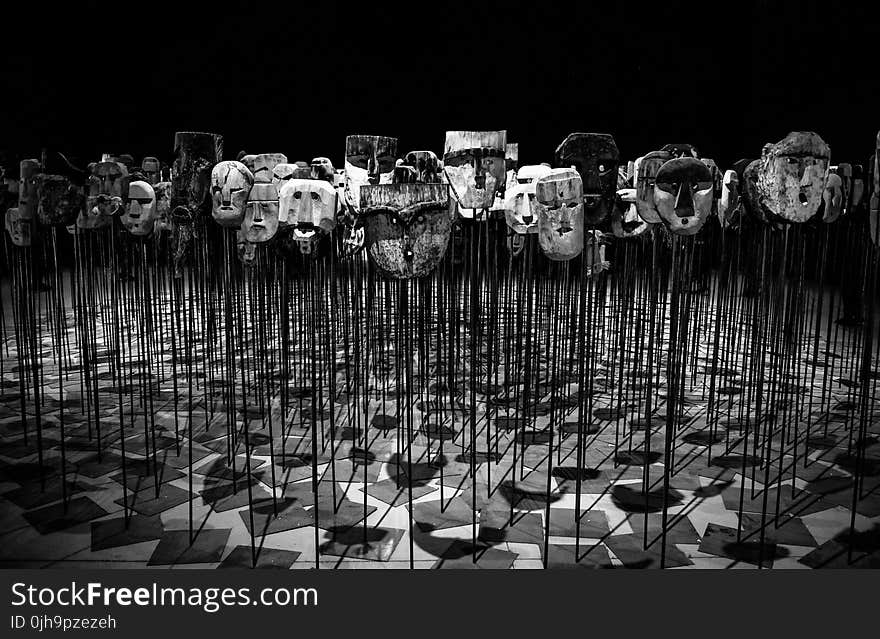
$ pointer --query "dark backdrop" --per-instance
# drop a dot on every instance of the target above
(297, 77)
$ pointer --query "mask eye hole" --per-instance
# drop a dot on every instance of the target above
(216, 189)
(315, 197)
(420, 219)
(298, 195)
(571, 205)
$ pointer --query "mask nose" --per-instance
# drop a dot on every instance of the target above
(684, 201)
(258, 212)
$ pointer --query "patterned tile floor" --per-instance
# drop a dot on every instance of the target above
(398, 506)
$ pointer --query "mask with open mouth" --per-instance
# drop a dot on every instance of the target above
(645, 169)
(683, 195)
(407, 227)
(260, 221)
(196, 154)
(426, 164)
(60, 201)
(625, 220)
(789, 178)
(231, 184)
(595, 157)
(475, 165)
(369, 159)
(309, 208)
(520, 211)
(559, 200)
(18, 227)
(139, 213)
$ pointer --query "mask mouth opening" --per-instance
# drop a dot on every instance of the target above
(564, 229)
(803, 199)
(631, 227)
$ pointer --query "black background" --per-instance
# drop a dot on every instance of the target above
(298, 77)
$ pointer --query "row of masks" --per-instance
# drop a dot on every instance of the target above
(402, 210)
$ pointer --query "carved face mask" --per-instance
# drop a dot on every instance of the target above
(474, 163)
(195, 155)
(19, 228)
(833, 199)
(790, 177)
(322, 168)
(729, 204)
(139, 216)
(874, 202)
(151, 169)
(309, 208)
(231, 183)
(60, 202)
(246, 251)
(369, 159)
(261, 214)
(426, 164)
(520, 211)
(28, 197)
(559, 199)
(646, 178)
(625, 220)
(162, 190)
(407, 227)
(107, 186)
(264, 166)
(683, 195)
(595, 157)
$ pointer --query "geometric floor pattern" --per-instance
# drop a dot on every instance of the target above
(214, 477)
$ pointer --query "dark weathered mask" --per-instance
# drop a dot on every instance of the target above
(683, 194)
(60, 201)
(595, 157)
(407, 227)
